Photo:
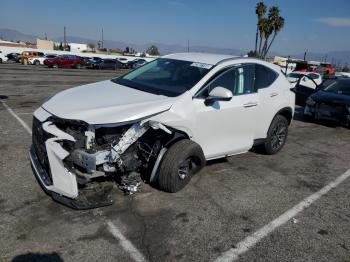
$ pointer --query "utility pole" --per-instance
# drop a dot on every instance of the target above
(305, 55)
(102, 39)
(64, 37)
(188, 46)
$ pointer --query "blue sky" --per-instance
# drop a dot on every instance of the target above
(318, 26)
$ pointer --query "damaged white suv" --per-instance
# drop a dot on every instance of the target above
(160, 122)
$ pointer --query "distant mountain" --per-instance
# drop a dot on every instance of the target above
(163, 48)
(332, 56)
(14, 35)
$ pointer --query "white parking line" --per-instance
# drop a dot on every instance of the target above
(250, 241)
(113, 229)
(25, 126)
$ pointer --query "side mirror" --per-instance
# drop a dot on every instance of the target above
(218, 94)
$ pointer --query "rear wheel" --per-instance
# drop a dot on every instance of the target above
(36, 62)
(55, 65)
(78, 66)
(277, 135)
(0, 61)
(179, 164)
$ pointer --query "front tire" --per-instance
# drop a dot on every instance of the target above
(182, 160)
(36, 62)
(277, 135)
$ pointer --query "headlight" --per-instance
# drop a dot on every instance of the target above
(310, 102)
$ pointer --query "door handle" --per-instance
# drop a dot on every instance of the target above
(250, 104)
(273, 94)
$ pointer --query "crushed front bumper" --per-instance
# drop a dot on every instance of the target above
(88, 197)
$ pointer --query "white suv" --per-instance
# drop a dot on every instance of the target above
(162, 120)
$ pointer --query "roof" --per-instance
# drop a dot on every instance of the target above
(205, 58)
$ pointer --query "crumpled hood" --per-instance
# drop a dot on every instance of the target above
(106, 102)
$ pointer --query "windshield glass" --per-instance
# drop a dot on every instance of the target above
(339, 87)
(295, 75)
(166, 77)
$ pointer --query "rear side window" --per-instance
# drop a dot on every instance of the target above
(314, 76)
(264, 76)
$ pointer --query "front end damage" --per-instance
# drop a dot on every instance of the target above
(78, 164)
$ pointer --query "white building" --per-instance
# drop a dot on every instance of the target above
(75, 47)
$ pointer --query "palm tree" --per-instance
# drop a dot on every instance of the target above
(260, 11)
(278, 25)
(264, 31)
(272, 18)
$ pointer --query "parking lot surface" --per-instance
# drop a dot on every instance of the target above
(225, 203)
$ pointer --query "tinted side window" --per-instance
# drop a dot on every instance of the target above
(264, 76)
(239, 80)
(313, 76)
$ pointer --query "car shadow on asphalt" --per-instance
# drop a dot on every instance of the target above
(37, 257)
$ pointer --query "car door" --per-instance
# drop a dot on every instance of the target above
(305, 87)
(227, 127)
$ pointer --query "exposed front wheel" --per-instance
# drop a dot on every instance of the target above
(277, 135)
(179, 164)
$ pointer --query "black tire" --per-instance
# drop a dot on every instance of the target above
(78, 66)
(182, 160)
(55, 65)
(36, 62)
(277, 135)
(0, 61)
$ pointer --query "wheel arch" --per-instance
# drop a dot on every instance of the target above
(287, 112)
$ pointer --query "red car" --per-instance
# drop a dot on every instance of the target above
(67, 61)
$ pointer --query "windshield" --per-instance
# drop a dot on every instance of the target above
(166, 77)
(295, 75)
(340, 87)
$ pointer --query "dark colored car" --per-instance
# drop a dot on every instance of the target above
(13, 57)
(130, 64)
(65, 61)
(331, 102)
(110, 64)
(302, 91)
(93, 63)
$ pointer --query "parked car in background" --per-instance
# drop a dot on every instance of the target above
(93, 63)
(139, 62)
(40, 60)
(3, 58)
(332, 102)
(293, 78)
(112, 64)
(86, 59)
(130, 64)
(29, 54)
(13, 57)
(164, 121)
(65, 61)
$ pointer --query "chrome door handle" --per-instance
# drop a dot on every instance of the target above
(273, 94)
(250, 104)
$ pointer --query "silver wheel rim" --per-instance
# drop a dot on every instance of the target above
(278, 136)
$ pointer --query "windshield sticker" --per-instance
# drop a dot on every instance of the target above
(201, 65)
